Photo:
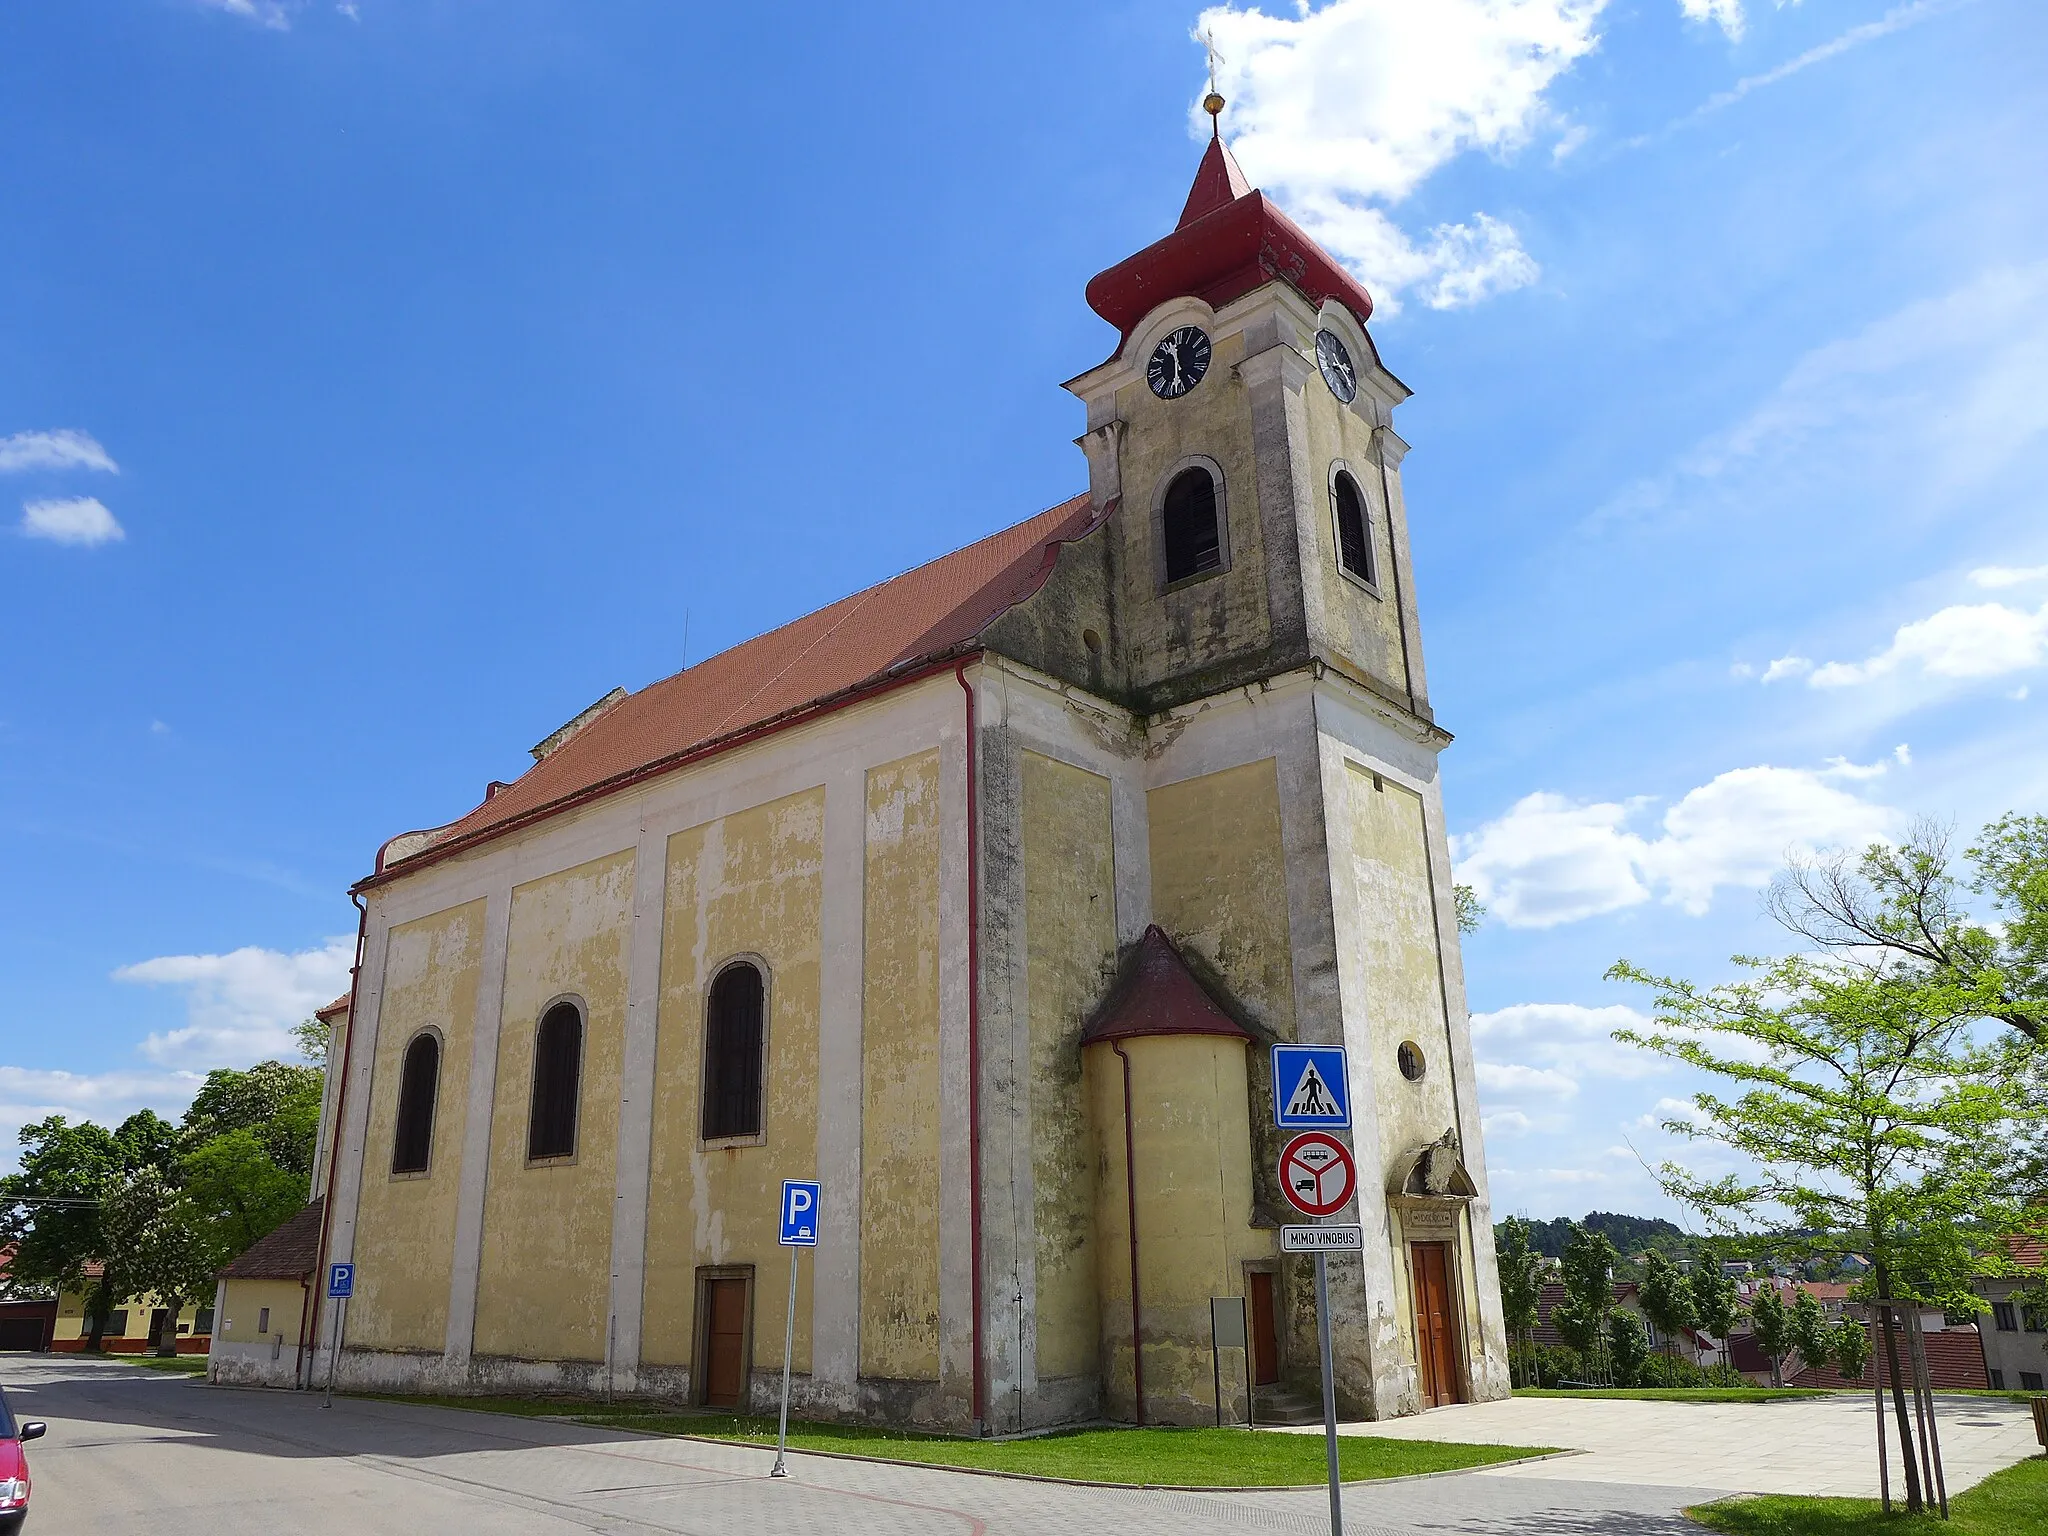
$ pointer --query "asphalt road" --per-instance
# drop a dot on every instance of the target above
(131, 1450)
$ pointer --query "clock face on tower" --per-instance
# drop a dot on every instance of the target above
(1178, 363)
(1335, 362)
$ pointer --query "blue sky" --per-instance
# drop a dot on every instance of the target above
(382, 383)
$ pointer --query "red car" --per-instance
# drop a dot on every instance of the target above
(14, 1467)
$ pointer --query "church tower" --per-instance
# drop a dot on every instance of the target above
(1245, 592)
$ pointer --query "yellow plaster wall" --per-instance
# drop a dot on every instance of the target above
(405, 1224)
(899, 1205)
(1397, 944)
(1070, 942)
(1219, 882)
(749, 884)
(1192, 1148)
(245, 1301)
(544, 1280)
(71, 1320)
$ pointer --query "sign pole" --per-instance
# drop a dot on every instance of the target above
(1329, 1391)
(334, 1346)
(788, 1347)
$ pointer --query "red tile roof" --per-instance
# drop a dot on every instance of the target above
(1955, 1362)
(339, 1005)
(288, 1253)
(1156, 994)
(924, 615)
(2027, 1252)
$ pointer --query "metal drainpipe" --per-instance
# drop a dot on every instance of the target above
(348, 1049)
(1131, 1222)
(974, 1046)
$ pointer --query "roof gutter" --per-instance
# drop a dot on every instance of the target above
(887, 682)
(310, 1339)
(974, 1043)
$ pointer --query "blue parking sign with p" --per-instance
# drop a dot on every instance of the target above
(341, 1280)
(799, 1213)
(1311, 1089)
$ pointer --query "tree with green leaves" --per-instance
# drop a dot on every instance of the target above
(1810, 1329)
(145, 1223)
(1716, 1299)
(1628, 1346)
(1849, 1348)
(1471, 910)
(311, 1037)
(1906, 903)
(54, 1209)
(232, 1193)
(1772, 1320)
(279, 1104)
(1588, 1273)
(1521, 1283)
(1667, 1300)
(1865, 1116)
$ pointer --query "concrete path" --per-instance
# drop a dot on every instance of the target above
(131, 1451)
(1822, 1445)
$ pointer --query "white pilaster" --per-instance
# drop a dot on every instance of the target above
(835, 1277)
(636, 1106)
(467, 1259)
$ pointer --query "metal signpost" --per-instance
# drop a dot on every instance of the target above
(1312, 1093)
(799, 1231)
(341, 1284)
(1227, 1331)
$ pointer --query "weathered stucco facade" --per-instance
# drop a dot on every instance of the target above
(940, 870)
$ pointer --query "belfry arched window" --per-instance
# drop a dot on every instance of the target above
(1354, 534)
(557, 1083)
(735, 1027)
(412, 1148)
(1188, 525)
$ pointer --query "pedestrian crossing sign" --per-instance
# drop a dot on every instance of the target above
(1310, 1087)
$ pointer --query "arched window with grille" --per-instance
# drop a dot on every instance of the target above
(412, 1148)
(1189, 527)
(1354, 533)
(557, 1083)
(734, 1037)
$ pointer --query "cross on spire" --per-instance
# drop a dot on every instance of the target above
(1213, 102)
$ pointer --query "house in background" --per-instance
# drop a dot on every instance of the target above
(28, 1315)
(134, 1326)
(2016, 1335)
(264, 1303)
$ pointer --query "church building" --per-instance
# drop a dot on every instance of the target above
(980, 897)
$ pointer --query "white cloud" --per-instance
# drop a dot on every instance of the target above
(274, 14)
(28, 1095)
(241, 1006)
(1788, 666)
(1725, 14)
(80, 520)
(1964, 642)
(1896, 19)
(1358, 102)
(1566, 1037)
(64, 448)
(1506, 1122)
(1550, 860)
(2007, 575)
(1506, 1077)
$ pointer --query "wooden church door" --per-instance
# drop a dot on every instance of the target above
(1436, 1349)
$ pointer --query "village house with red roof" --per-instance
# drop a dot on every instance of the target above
(978, 895)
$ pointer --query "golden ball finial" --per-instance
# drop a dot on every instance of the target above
(1213, 104)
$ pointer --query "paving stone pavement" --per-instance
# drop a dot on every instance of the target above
(1824, 1445)
(132, 1451)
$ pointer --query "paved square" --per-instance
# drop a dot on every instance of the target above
(1822, 1445)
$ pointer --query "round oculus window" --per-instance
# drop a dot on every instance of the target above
(1410, 1058)
(1178, 363)
(1334, 358)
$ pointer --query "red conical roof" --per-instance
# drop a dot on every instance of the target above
(1230, 240)
(1156, 994)
(1218, 183)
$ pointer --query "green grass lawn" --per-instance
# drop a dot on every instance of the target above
(1191, 1457)
(189, 1365)
(2010, 1503)
(1207, 1458)
(1681, 1394)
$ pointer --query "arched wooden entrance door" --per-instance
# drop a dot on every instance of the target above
(1436, 1319)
